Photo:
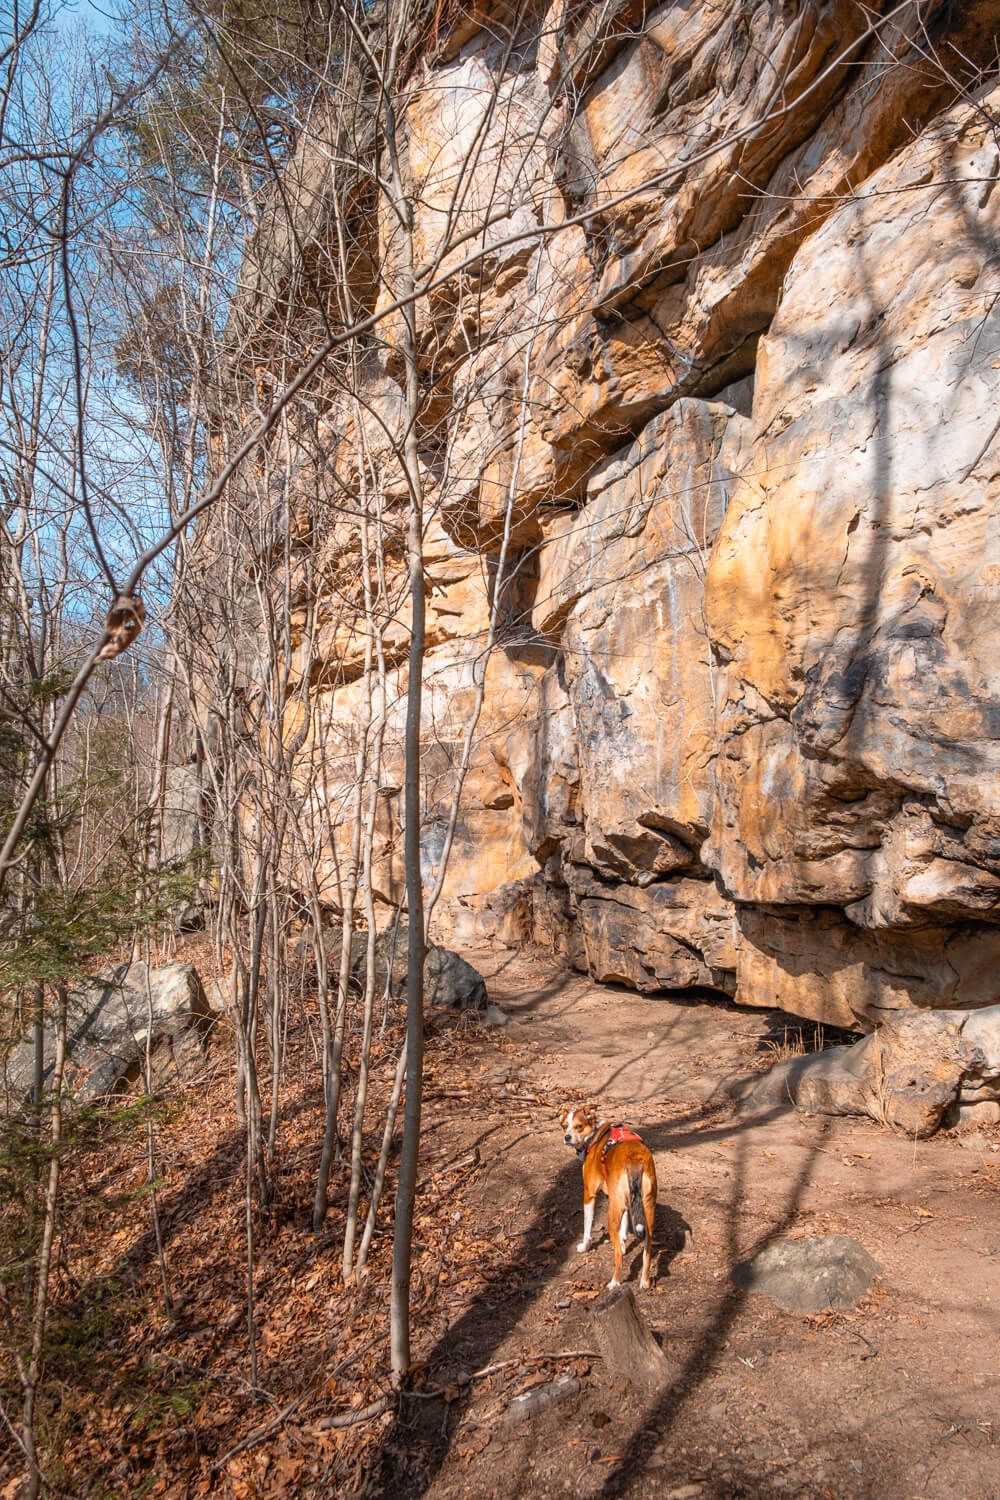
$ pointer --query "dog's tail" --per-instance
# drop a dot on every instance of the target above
(635, 1210)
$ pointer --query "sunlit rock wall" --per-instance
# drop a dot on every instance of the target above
(741, 728)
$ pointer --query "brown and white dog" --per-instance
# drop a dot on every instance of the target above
(616, 1160)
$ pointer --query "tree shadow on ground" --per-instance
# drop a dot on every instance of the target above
(418, 1441)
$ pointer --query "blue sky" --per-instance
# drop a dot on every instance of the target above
(100, 18)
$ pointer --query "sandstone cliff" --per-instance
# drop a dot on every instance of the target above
(734, 438)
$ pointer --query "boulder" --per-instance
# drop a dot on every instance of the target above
(825, 1270)
(920, 1070)
(110, 1019)
(450, 983)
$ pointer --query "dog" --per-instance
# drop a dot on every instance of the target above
(618, 1161)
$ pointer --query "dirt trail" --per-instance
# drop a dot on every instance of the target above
(896, 1398)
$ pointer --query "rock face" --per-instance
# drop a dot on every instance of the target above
(851, 599)
(184, 834)
(111, 1018)
(741, 725)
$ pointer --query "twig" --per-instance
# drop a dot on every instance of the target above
(455, 1164)
(349, 1418)
(873, 1352)
(437, 1392)
(913, 1228)
(258, 1435)
(221, 1375)
(534, 1359)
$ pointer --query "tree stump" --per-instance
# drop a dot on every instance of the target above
(628, 1347)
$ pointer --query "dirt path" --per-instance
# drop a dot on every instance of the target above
(896, 1398)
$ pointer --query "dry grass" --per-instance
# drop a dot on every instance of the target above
(793, 1044)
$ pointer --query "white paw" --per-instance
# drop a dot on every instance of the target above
(644, 1283)
(613, 1283)
(583, 1246)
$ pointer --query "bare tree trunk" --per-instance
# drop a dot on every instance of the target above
(416, 947)
(383, 1161)
(250, 1250)
(161, 1258)
(373, 630)
(31, 1373)
(331, 1082)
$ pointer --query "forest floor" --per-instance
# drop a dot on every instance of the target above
(897, 1398)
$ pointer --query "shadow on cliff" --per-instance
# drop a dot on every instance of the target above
(419, 1440)
(872, 691)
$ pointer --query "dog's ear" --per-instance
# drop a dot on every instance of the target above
(564, 1118)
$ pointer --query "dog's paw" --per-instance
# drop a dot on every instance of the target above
(644, 1283)
(583, 1246)
(613, 1283)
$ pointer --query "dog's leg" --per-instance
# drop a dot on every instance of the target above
(649, 1214)
(588, 1224)
(617, 1214)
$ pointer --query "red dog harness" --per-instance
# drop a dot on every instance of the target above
(616, 1135)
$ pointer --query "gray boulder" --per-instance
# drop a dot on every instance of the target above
(110, 1018)
(825, 1270)
(450, 983)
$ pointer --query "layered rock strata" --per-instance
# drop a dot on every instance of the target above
(723, 455)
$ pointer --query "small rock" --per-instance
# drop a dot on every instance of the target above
(976, 1141)
(494, 1016)
(685, 1492)
(972, 1116)
(217, 992)
(532, 1402)
(808, 1275)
